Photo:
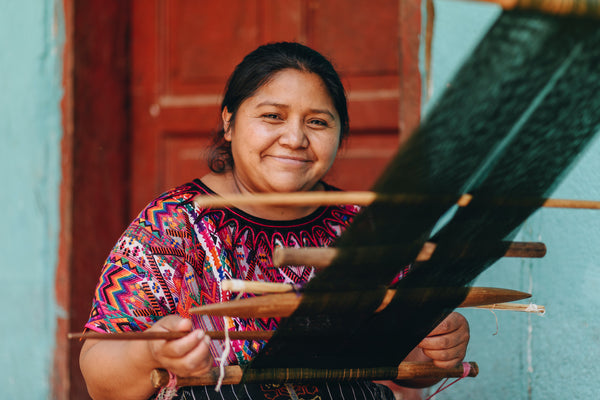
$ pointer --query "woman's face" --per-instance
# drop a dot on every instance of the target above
(286, 136)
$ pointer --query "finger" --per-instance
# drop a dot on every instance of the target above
(205, 360)
(451, 323)
(181, 347)
(172, 323)
(447, 364)
(196, 362)
(448, 357)
(445, 341)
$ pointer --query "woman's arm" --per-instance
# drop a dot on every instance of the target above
(121, 369)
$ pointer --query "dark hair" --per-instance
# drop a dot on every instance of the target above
(256, 69)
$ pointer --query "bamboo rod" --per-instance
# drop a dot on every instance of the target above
(322, 257)
(284, 304)
(529, 308)
(233, 374)
(365, 198)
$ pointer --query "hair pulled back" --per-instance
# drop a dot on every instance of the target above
(255, 70)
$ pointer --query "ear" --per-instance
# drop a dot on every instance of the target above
(226, 117)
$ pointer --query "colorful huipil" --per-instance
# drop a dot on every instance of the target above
(175, 255)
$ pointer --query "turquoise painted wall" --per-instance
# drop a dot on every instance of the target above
(532, 357)
(31, 37)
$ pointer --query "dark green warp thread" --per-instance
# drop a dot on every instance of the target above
(283, 375)
(516, 116)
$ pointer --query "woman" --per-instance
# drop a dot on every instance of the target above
(284, 115)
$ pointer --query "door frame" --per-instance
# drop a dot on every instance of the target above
(96, 137)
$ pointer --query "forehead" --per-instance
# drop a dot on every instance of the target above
(294, 86)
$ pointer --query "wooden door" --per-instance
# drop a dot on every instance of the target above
(184, 50)
(179, 53)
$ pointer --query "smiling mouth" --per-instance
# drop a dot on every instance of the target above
(291, 159)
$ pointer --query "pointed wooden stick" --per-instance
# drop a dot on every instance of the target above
(233, 374)
(479, 295)
(322, 257)
(367, 198)
(284, 304)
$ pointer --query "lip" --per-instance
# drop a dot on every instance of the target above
(292, 160)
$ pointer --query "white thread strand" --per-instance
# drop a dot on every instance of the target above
(535, 309)
(497, 325)
(223, 359)
(226, 350)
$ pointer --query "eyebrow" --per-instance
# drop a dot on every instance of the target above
(281, 105)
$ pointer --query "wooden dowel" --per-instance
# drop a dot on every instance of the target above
(284, 304)
(258, 335)
(322, 257)
(575, 204)
(291, 199)
(366, 198)
(256, 287)
(214, 335)
(233, 374)
(558, 7)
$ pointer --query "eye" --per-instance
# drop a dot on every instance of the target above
(319, 123)
(271, 116)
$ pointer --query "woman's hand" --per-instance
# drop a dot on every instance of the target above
(447, 344)
(188, 356)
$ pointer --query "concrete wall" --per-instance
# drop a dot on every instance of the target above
(31, 36)
(532, 357)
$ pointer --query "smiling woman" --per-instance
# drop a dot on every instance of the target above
(283, 139)
(284, 115)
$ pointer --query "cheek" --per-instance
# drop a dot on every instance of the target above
(330, 148)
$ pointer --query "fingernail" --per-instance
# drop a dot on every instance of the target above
(207, 340)
(200, 334)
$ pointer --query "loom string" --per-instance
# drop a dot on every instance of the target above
(226, 350)
(169, 390)
(445, 385)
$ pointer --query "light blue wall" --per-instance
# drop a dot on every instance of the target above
(532, 357)
(31, 36)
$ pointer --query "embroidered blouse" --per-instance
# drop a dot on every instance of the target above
(175, 255)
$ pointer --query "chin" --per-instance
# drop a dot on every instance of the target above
(291, 187)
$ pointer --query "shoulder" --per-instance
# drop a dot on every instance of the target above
(171, 209)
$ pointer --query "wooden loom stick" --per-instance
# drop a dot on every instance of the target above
(321, 257)
(365, 198)
(214, 335)
(233, 374)
(559, 7)
(284, 304)
(258, 335)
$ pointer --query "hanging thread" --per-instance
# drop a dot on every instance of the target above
(170, 390)
(226, 351)
(445, 385)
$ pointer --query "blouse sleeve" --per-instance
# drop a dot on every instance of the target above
(142, 275)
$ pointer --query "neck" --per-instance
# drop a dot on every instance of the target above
(226, 183)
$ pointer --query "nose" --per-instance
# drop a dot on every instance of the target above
(294, 136)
